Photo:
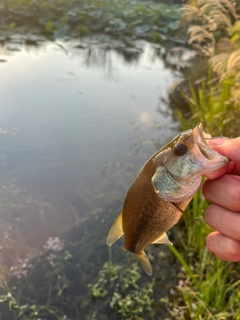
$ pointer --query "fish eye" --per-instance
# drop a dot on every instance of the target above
(180, 149)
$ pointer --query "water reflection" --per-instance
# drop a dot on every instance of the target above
(74, 115)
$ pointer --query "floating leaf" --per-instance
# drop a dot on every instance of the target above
(83, 30)
(126, 17)
(118, 24)
(142, 29)
(11, 26)
(173, 25)
(95, 26)
(61, 32)
(95, 13)
(72, 16)
(49, 26)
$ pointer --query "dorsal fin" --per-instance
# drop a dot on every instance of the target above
(116, 231)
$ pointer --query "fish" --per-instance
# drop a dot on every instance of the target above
(162, 190)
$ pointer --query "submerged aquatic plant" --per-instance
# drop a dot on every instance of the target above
(120, 289)
(15, 291)
(54, 244)
(21, 269)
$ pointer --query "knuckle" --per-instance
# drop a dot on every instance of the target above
(234, 252)
(210, 215)
(235, 198)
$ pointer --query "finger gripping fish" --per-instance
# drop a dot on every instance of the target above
(162, 190)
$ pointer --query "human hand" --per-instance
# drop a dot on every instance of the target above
(222, 188)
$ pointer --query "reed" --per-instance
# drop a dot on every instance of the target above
(212, 104)
(214, 31)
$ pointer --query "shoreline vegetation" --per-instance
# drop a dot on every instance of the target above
(207, 289)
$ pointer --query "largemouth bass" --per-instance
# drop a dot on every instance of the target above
(162, 190)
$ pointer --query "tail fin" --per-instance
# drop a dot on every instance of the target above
(116, 231)
(145, 263)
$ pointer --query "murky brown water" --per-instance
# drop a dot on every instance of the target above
(77, 121)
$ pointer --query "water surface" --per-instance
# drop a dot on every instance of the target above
(78, 119)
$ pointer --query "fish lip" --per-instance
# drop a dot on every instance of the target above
(203, 135)
(200, 138)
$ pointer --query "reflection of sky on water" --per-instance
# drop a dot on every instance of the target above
(84, 118)
(76, 108)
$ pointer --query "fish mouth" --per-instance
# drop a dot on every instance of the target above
(200, 137)
(209, 158)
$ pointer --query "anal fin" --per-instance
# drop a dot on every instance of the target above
(145, 263)
(115, 232)
(163, 239)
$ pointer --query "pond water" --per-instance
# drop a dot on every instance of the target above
(78, 119)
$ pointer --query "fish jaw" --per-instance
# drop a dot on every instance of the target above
(208, 159)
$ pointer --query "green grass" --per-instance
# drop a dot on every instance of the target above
(208, 288)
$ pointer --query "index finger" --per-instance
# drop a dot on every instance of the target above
(227, 147)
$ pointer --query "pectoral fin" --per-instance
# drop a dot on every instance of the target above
(145, 263)
(163, 239)
(116, 231)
